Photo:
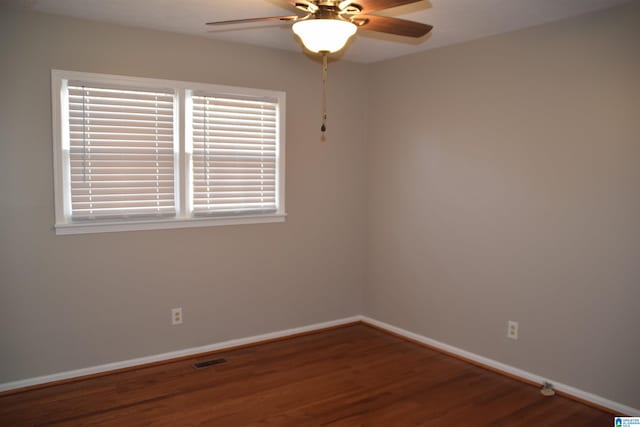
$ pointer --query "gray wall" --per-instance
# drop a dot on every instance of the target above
(68, 302)
(505, 185)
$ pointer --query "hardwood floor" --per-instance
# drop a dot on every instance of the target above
(352, 376)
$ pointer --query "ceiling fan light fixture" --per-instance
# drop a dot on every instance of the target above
(324, 35)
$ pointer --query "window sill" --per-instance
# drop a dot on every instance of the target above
(163, 224)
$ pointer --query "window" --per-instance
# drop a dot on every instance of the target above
(138, 154)
(120, 152)
(234, 155)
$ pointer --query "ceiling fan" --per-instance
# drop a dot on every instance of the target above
(327, 25)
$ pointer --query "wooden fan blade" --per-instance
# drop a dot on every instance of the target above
(400, 27)
(246, 21)
(373, 5)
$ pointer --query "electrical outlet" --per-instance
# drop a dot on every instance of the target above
(176, 316)
(512, 330)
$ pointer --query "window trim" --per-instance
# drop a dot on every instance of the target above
(182, 158)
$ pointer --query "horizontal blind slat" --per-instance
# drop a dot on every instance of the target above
(77, 109)
(131, 187)
(124, 157)
(120, 144)
(99, 163)
(121, 115)
(221, 122)
(114, 196)
(122, 127)
(232, 187)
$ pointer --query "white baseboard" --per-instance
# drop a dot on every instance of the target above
(172, 355)
(616, 407)
(580, 394)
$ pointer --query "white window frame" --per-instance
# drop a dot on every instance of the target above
(182, 155)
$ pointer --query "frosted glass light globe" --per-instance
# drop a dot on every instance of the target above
(324, 35)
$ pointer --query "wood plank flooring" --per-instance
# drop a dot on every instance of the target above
(352, 376)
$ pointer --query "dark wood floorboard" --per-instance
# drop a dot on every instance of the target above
(353, 376)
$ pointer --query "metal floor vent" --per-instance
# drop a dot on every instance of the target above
(208, 363)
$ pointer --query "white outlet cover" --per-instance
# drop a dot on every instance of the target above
(176, 316)
(512, 329)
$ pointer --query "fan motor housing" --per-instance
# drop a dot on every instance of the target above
(326, 5)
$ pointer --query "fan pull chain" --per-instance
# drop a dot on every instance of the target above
(325, 70)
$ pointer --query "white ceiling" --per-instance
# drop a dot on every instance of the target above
(455, 21)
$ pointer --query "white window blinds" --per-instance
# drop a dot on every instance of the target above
(135, 153)
(235, 155)
(121, 152)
